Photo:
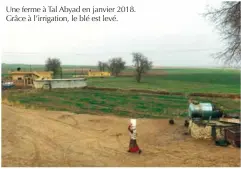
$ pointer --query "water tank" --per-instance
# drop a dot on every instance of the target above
(203, 111)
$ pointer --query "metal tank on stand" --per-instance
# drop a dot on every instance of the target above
(203, 111)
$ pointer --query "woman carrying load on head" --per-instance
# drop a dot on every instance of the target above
(133, 147)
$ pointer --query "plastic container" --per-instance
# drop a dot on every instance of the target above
(133, 122)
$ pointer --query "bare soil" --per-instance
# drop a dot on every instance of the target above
(49, 138)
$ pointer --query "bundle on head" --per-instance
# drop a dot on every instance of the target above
(171, 121)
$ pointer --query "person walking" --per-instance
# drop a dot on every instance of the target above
(133, 147)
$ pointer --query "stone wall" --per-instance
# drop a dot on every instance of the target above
(203, 131)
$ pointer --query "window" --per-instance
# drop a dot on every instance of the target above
(19, 78)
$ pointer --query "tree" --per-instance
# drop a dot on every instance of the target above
(53, 65)
(116, 65)
(227, 19)
(61, 73)
(141, 64)
(102, 66)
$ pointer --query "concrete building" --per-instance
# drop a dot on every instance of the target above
(60, 83)
(98, 74)
(26, 78)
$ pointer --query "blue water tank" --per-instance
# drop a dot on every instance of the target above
(203, 111)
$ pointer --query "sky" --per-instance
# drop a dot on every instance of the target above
(169, 33)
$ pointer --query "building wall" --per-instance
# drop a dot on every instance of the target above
(34, 75)
(98, 74)
(15, 77)
(27, 78)
(60, 83)
(45, 75)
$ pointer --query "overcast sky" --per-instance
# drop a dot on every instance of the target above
(170, 33)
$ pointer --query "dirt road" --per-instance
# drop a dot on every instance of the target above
(46, 138)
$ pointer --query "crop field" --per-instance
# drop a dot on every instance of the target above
(86, 127)
(186, 80)
(117, 103)
(183, 80)
(179, 80)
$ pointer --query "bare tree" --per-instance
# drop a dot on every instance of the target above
(102, 66)
(141, 64)
(105, 66)
(116, 65)
(54, 65)
(227, 20)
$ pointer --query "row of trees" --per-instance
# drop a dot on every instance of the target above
(116, 65)
(226, 18)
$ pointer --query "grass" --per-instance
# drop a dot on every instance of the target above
(131, 104)
(186, 80)
(117, 103)
(176, 80)
(215, 82)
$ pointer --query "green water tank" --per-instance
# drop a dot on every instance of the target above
(203, 111)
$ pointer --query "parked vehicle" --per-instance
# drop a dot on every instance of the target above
(7, 85)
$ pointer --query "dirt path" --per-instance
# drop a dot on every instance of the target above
(46, 138)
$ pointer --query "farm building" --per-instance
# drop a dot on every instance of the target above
(98, 74)
(26, 78)
(60, 83)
